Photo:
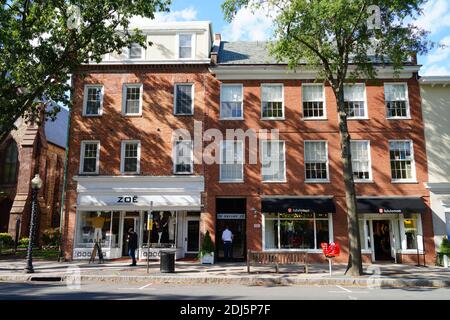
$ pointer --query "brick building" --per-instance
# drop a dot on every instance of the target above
(125, 157)
(30, 150)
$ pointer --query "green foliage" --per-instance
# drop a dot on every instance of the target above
(6, 240)
(41, 45)
(207, 244)
(445, 246)
(51, 237)
(23, 242)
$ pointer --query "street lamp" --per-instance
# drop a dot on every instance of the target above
(36, 184)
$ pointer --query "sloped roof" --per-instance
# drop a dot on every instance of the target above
(56, 131)
(245, 52)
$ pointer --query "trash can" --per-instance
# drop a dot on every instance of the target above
(167, 262)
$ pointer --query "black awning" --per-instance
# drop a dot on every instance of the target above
(391, 205)
(298, 205)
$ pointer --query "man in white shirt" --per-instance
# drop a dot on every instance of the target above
(227, 238)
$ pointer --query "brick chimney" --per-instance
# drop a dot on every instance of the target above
(216, 48)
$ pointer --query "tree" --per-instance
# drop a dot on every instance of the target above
(344, 40)
(42, 42)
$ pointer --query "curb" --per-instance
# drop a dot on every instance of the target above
(244, 280)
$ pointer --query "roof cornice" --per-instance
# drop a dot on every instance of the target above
(435, 80)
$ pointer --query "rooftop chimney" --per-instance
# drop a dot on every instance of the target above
(216, 48)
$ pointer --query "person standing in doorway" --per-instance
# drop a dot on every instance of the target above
(227, 238)
(132, 245)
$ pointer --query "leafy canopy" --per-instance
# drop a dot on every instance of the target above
(43, 41)
(341, 38)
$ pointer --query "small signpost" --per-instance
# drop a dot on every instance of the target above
(149, 229)
(330, 250)
(96, 250)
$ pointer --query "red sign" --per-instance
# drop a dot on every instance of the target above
(380, 211)
(330, 250)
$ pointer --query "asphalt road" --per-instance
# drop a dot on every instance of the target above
(103, 291)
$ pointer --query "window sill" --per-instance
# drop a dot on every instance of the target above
(404, 181)
(130, 173)
(398, 118)
(91, 115)
(231, 119)
(88, 173)
(183, 114)
(358, 118)
(183, 173)
(274, 181)
(317, 181)
(231, 181)
(314, 119)
(132, 115)
(410, 251)
(364, 181)
(272, 119)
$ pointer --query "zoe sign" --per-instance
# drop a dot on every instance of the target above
(127, 199)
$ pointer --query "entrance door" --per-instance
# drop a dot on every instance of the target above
(128, 222)
(237, 228)
(382, 240)
(192, 236)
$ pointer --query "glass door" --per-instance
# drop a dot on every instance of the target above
(192, 236)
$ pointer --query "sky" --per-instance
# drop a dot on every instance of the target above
(254, 26)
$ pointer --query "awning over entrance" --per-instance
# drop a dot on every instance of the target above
(298, 205)
(391, 205)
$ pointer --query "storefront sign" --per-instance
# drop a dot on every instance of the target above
(231, 216)
(127, 199)
(381, 211)
(298, 210)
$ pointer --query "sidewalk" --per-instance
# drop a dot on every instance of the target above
(384, 275)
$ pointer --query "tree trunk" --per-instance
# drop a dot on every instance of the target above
(354, 267)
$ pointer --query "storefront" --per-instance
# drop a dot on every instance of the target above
(391, 227)
(108, 206)
(297, 223)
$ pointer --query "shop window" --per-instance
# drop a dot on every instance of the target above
(163, 231)
(313, 101)
(184, 99)
(402, 160)
(294, 231)
(396, 97)
(231, 100)
(316, 161)
(411, 231)
(232, 161)
(97, 225)
(272, 101)
(354, 97)
(273, 161)
(360, 151)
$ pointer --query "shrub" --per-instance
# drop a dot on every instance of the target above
(207, 244)
(50, 237)
(445, 246)
(6, 240)
(23, 242)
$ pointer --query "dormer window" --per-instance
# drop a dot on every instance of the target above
(135, 51)
(185, 46)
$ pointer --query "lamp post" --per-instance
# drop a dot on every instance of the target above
(36, 184)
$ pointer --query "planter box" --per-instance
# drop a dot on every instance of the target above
(208, 258)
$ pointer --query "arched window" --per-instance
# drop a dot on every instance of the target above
(9, 172)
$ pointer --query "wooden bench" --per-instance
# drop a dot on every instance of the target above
(260, 258)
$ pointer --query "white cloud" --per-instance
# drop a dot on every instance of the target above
(187, 14)
(436, 16)
(249, 25)
(440, 54)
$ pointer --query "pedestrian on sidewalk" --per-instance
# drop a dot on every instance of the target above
(227, 238)
(132, 245)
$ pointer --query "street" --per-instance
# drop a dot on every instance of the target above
(149, 291)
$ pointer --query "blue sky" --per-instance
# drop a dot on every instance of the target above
(256, 26)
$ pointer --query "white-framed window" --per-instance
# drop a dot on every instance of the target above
(316, 161)
(402, 160)
(130, 156)
(231, 101)
(93, 100)
(231, 161)
(132, 99)
(305, 231)
(397, 101)
(183, 158)
(313, 101)
(361, 164)
(135, 51)
(273, 161)
(185, 45)
(90, 155)
(355, 101)
(184, 99)
(272, 101)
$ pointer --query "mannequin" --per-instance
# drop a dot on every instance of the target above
(97, 223)
(171, 227)
(159, 227)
